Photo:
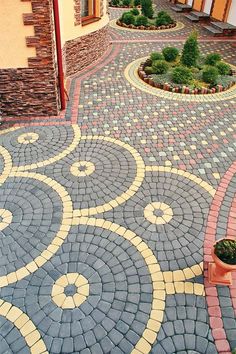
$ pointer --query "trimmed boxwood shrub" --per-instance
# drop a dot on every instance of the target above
(156, 56)
(128, 18)
(148, 70)
(137, 2)
(147, 9)
(159, 67)
(141, 20)
(212, 59)
(135, 12)
(190, 52)
(210, 75)
(170, 53)
(126, 2)
(182, 75)
(223, 68)
(163, 19)
(115, 2)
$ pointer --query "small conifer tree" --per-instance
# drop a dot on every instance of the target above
(147, 9)
(190, 52)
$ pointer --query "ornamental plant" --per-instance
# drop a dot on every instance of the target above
(212, 59)
(135, 12)
(126, 2)
(147, 9)
(190, 53)
(225, 250)
(170, 53)
(128, 18)
(182, 75)
(137, 2)
(115, 2)
(163, 19)
(156, 56)
(223, 68)
(148, 70)
(159, 67)
(141, 20)
(210, 75)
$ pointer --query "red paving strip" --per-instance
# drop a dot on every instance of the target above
(214, 310)
(166, 40)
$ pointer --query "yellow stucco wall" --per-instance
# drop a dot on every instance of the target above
(13, 50)
(67, 19)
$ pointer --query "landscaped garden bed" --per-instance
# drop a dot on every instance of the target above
(146, 18)
(125, 3)
(188, 72)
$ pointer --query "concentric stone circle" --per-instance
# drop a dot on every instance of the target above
(70, 290)
(131, 74)
(28, 138)
(179, 26)
(5, 218)
(164, 217)
(82, 168)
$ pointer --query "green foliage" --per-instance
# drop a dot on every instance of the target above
(137, 2)
(163, 19)
(159, 67)
(170, 53)
(234, 351)
(226, 251)
(212, 59)
(128, 18)
(147, 9)
(135, 12)
(148, 70)
(126, 2)
(223, 68)
(210, 75)
(190, 52)
(182, 75)
(115, 2)
(156, 56)
(141, 20)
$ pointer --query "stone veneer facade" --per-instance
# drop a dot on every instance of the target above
(81, 52)
(33, 91)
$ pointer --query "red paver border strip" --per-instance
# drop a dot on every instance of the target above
(212, 299)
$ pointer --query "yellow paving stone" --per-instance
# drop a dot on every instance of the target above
(178, 275)
(151, 260)
(146, 253)
(13, 314)
(39, 261)
(170, 288)
(21, 320)
(68, 303)
(188, 288)
(84, 289)
(27, 328)
(38, 348)
(11, 278)
(153, 268)
(156, 277)
(197, 269)
(141, 247)
(32, 338)
(188, 273)
(62, 281)
(198, 289)
(81, 280)
(5, 308)
(71, 277)
(59, 299)
(149, 335)
(56, 290)
(153, 325)
(168, 277)
(159, 294)
(79, 299)
(143, 346)
(157, 315)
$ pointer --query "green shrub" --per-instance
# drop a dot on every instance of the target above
(141, 20)
(182, 75)
(128, 18)
(156, 56)
(148, 70)
(147, 9)
(159, 67)
(223, 68)
(210, 75)
(137, 2)
(170, 53)
(126, 2)
(212, 59)
(234, 351)
(115, 2)
(135, 12)
(226, 251)
(190, 52)
(163, 19)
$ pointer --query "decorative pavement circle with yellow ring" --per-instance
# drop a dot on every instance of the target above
(28, 138)
(158, 213)
(131, 75)
(70, 290)
(178, 27)
(5, 218)
(82, 168)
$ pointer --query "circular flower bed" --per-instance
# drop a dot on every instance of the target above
(125, 3)
(145, 18)
(188, 72)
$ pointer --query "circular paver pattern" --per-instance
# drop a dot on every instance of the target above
(70, 290)
(131, 74)
(116, 310)
(82, 168)
(11, 340)
(31, 145)
(31, 215)
(111, 167)
(185, 328)
(114, 25)
(158, 213)
(177, 243)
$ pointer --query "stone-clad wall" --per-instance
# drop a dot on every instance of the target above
(32, 91)
(82, 51)
(77, 12)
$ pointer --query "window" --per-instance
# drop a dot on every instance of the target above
(88, 9)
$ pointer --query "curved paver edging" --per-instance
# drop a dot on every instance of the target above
(113, 24)
(148, 28)
(131, 74)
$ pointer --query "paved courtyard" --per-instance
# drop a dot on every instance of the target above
(108, 213)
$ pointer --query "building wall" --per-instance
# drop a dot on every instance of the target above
(30, 90)
(82, 44)
(232, 14)
(207, 6)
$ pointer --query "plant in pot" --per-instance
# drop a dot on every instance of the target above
(224, 256)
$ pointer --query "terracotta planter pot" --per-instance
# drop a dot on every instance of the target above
(219, 272)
